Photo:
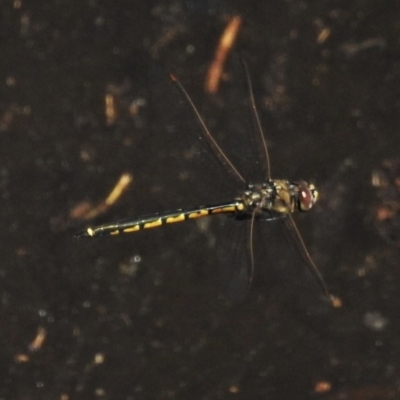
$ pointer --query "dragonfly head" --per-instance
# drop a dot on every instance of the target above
(307, 195)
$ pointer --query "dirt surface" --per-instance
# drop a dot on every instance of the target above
(85, 97)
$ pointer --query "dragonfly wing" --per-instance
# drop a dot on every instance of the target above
(227, 243)
(284, 263)
(237, 132)
(172, 162)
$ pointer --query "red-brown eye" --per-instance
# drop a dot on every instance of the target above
(307, 196)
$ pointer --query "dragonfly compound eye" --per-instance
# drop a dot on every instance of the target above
(308, 195)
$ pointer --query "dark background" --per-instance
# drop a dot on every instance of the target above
(118, 329)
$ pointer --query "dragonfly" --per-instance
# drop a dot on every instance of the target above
(256, 202)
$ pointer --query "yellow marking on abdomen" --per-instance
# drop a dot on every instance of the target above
(177, 218)
(132, 229)
(113, 233)
(198, 214)
(153, 224)
(240, 207)
(223, 210)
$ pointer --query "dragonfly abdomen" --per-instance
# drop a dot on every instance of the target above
(159, 219)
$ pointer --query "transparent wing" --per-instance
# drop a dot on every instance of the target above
(285, 264)
(279, 264)
(175, 166)
(230, 110)
(228, 246)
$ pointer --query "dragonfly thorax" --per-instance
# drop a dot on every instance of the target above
(279, 196)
